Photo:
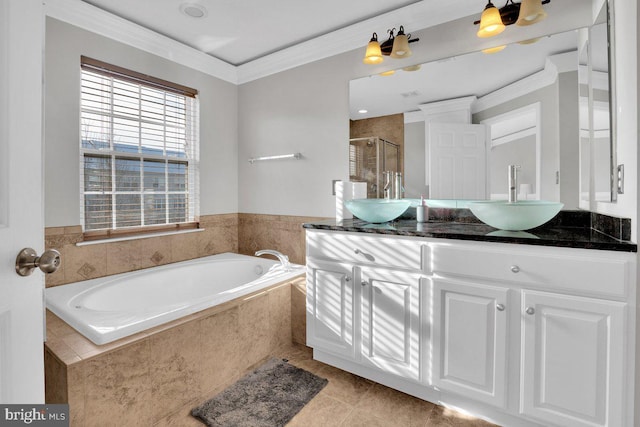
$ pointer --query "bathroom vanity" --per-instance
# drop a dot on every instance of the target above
(519, 329)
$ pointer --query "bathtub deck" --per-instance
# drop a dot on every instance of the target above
(90, 377)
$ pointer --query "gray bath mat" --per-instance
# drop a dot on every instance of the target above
(268, 397)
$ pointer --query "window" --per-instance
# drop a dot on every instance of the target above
(138, 151)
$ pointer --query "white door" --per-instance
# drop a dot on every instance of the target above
(572, 360)
(21, 200)
(469, 339)
(457, 161)
(330, 307)
(391, 321)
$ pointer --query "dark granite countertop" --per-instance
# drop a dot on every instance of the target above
(554, 234)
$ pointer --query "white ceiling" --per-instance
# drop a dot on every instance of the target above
(238, 32)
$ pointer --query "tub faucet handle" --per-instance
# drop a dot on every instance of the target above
(284, 260)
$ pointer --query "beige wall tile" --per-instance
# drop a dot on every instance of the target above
(55, 379)
(76, 393)
(299, 311)
(174, 368)
(283, 233)
(84, 262)
(220, 355)
(280, 316)
(118, 387)
(255, 341)
(124, 256)
(218, 238)
(155, 251)
(184, 246)
(237, 233)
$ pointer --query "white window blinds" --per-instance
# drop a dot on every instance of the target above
(138, 150)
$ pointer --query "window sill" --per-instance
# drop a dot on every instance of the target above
(139, 236)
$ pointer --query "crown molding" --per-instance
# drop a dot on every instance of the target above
(517, 89)
(96, 20)
(413, 116)
(416, 16)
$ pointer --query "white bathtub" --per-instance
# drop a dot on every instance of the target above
(113, 307)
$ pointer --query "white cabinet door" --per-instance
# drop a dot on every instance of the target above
(469, 338)
(572, 360)
(391, 321)
(330, 307)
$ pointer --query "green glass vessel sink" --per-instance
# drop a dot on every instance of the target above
(377, 210)
(515, 216)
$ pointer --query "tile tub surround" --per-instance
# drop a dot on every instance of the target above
(145, 378)
(219, 234)
(238, 233)
(281, 232)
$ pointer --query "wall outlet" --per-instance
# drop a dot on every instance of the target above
(620, 176)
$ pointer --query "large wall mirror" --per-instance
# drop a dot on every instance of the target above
(543, 104)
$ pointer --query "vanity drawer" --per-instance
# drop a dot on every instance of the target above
(387, 251)
(588, 271)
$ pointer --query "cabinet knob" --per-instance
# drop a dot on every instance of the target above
(364, 283)
(530, 310)
(500, 307)
(347, 279)
(515, 269)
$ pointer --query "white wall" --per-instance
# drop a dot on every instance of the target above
(218, 120)
(304, 110)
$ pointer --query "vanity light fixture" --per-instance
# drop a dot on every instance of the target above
(373, 54)
(490, 22)
(401, 45)
(396, 46)
(531, 11)
(493, 20)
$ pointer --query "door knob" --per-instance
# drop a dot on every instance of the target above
(28, 259)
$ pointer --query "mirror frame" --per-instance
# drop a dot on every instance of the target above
(612, 102)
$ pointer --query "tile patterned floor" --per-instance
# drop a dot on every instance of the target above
(352, 401)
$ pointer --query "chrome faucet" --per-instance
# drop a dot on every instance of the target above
(388, 184)
(398, 190)
(513, 183)
(284, 260)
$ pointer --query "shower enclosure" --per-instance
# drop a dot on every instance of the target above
(369, 158)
